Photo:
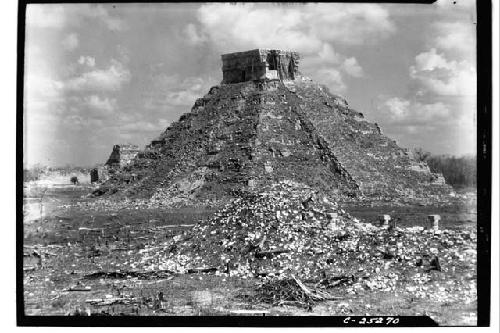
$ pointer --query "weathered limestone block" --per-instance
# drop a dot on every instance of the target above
(433, 221)
(384, 220)
(122, 155)
(259, 64)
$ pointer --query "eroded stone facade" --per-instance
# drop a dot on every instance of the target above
(122, 155)
(260, 64)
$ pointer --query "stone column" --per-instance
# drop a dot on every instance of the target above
(433, 222)
(333, 218)
(384, 220)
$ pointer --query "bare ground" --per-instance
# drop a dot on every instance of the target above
(77, 247)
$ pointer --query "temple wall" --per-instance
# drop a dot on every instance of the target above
(259, 64)
(122, 155)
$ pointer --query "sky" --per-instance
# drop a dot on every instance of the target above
(99, 75)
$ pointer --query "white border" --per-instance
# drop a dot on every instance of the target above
(8, 37)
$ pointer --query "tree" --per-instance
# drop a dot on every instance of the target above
(74, 180)
(458, 171)
(421, 155)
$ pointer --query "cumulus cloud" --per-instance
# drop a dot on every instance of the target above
(70, 42)
(330, 68)
(441, 101)
(451, 125)
(303, 28)
(45, 16)
(353, 24)
(144, 126)
(109, 79)
(193, 36)
(61, 16)
(351, 67)
(442, 105)
(87, 61)
(174, 91)
(104, 104)
(332, 78)
(310, 29)
(403, 112)
(40, 87)
(455, 37)
(437, 75)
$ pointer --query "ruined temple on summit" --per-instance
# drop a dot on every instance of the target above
(259, 64)
(267, 123)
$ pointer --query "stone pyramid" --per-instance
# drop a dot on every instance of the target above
(266, 123)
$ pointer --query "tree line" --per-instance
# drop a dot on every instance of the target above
(459, 172)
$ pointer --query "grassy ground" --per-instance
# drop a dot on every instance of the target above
(75, 243)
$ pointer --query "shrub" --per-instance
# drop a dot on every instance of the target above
(74, 180)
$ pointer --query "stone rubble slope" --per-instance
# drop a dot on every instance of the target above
(290, 230)
(249, 134)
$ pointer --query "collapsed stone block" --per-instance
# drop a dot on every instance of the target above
(122, 155)
(433, 222)
(384, 220)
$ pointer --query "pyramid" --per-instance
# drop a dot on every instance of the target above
(266, 123)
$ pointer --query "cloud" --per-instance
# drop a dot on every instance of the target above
(104, 104)
(45, 16)
(41, 87)
(144, 126)
(62, 16)
(109, 79)
(440, 106)
(453, 37)
(351, 67)
(332, 78)
(168, 91)
(403, 112)
(435, 74)
(303, 28)
(310, 29)
(87, 61)
(330, 68)
(193, 36)
(440, 127)
(70, 42)
(351, 24)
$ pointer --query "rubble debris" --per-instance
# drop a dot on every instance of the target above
(290, 291)
(256, 241)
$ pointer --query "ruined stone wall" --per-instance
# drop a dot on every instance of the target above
(122, 155)
(381, 168)
(259, 64)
